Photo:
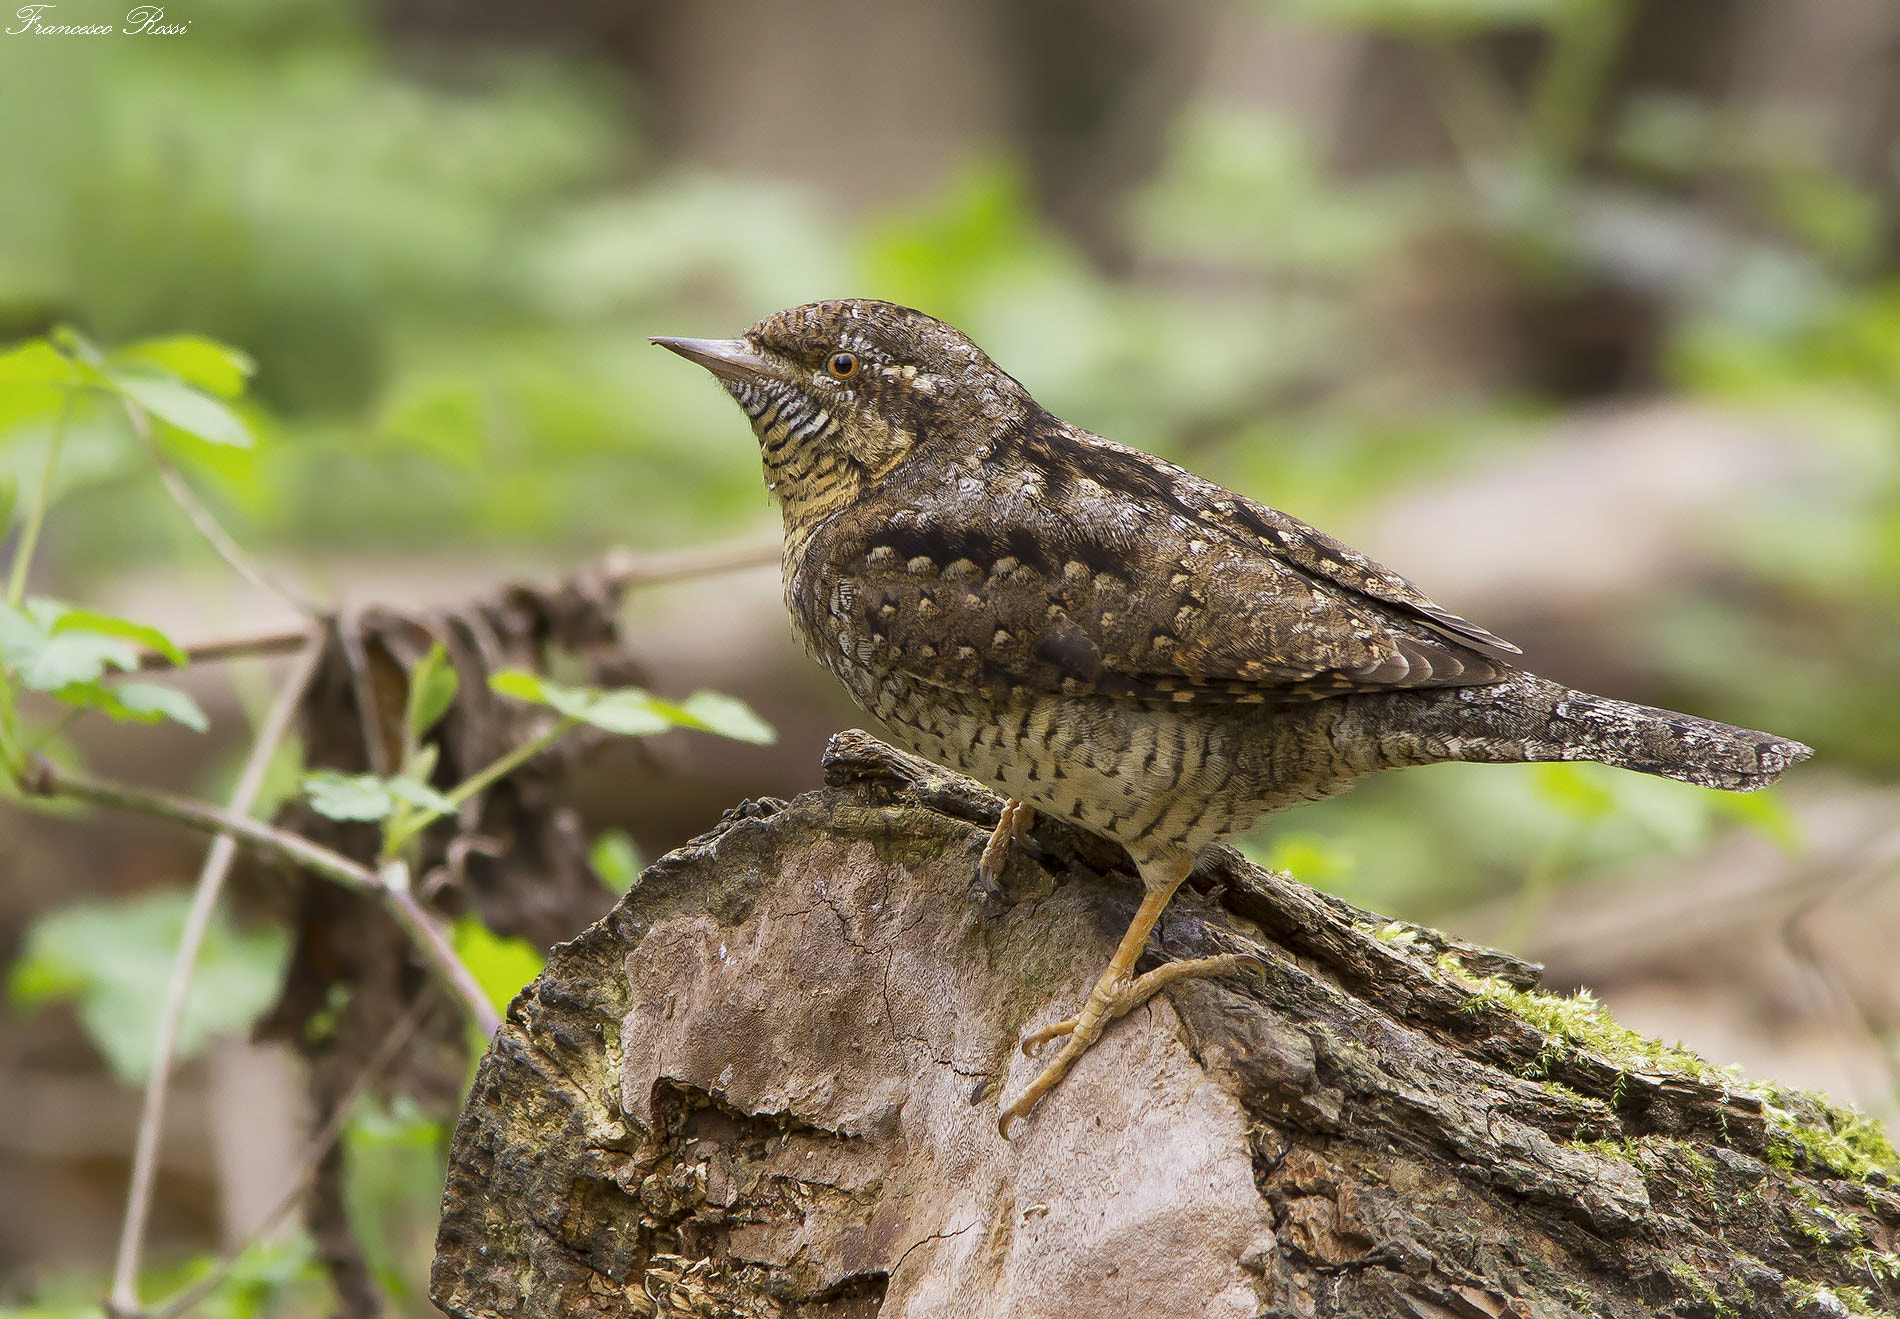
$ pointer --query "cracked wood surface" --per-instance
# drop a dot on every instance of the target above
(766, 1085)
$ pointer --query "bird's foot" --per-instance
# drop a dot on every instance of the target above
(1115, 994)
(1131, 994)
(1011, 825)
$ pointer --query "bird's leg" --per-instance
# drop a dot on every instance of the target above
(1012, 824)
(1117, 991)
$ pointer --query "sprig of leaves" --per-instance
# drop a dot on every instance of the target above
(406, 803)
(634, 712)
(182, 380)
(68, 653)
(62, 650)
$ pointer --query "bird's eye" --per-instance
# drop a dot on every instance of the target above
(843, 365)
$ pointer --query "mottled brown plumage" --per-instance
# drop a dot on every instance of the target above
(1104, 636)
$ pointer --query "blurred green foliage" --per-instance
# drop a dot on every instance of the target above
(500, 965)
(276, 1277)
(113, 960)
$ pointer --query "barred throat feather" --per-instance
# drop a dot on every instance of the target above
(804, 469)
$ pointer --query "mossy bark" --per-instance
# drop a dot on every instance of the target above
(767, 1085)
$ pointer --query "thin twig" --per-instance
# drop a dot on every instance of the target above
(208, 526)
(428, 936)
(349, 635)
(44, 779)
(258, 646)
(187, 1297)
(514, 760)
(36, 512)
(622, 568)
(47, 780)
(204, 899)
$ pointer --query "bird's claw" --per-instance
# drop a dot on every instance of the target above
(1035, 1039)
(1011, 826)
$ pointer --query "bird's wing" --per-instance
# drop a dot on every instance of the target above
(1102, 587)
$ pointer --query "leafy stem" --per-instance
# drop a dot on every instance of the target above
(402, 830)
(206, 524)
(509, 763)
(36, 512)
(44, 779)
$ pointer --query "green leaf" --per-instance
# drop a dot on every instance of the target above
(198, 361)
(727, 716)
(432, 688)
(148, 702)
(520, 685)
(1575, 790)
(615, 859)
(145, 702)
(74, 657)
(190, 410)
(632, 712)
(500, 965)
(627, 711)
(113, 962)
(1311, 857)
(1764, 813)
(37, 362)
(77, 346)
(574, 702)
(18, 631)
(86, 620)
(420, 794)
(348, 796)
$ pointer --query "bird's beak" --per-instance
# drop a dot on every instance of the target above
(730, 359)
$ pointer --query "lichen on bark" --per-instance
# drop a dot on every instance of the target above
(766, 1085)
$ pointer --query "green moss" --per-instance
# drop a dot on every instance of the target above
(1698, 1163)
(1623, 1151)
(1580, 1023)
(1880, 1265)
(1855, 1302)
(1822, 1223)
(1698, 1286)
(1584, 1301)
(1799, 1123)
(1687, 1169)
(1843, 1138)
(1395, 932)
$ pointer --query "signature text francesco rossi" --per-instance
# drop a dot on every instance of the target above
(145, 20)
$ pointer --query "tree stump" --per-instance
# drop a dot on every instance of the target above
(767, 1085)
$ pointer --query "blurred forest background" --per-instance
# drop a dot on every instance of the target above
(1584, 314)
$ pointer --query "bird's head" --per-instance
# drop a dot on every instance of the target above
(843, 392)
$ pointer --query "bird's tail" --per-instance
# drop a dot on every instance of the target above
(1526, 718)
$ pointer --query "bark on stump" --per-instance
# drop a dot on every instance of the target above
(767, 1085)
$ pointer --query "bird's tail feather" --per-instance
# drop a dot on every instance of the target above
(1527, 718)
(1675, 746)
